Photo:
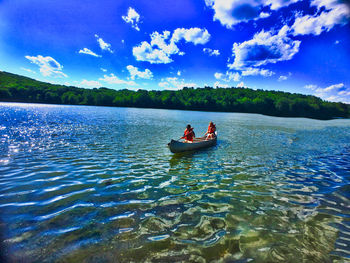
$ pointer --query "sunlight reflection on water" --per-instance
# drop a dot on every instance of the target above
(91, 183)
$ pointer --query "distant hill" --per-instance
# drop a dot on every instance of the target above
(16, 88)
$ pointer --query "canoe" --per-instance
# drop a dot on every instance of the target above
(198, 143)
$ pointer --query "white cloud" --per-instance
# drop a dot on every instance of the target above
(328, 4)
(311, 86)
(220, 85)
(162, 46)
(28, 70)
(264, 15)
(88, 52)
(344, 92)
(224, 85)
(334, 87)
(48, 66)
(277, 4)
(145, 52)
(132, 18)
(211, 52)
(134, 72)
(264, 48)
(112, 79)
(103, 69)
(284, 77)
(228, 76)
(232, 12)
(257, 71)
(335, 13)
(195, 35)
(158, 52)
(103, 45)
(337, 92)
(159, 40)
(240, 85)
(218, 75)
(90, 83)
(174, 83)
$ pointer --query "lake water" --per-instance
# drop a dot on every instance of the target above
(98, 184)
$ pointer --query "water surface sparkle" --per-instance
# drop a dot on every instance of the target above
(99, 184)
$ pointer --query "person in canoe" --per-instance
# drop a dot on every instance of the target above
(211, 131)
(188, 134)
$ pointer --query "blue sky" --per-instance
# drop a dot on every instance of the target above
(288, 45)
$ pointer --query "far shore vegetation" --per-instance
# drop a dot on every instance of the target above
(16, 88)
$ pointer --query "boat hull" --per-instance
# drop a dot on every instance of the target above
(177, 146)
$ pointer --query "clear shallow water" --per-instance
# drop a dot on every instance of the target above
(98, 184)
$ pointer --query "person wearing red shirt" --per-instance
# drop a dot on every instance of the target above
(188, 134)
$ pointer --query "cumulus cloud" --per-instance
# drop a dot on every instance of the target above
(195, 35)
(112, 79)
(90, 83)
(48, 66)
(162, 46)
(158, 52)
(232, 12)
(174, 83)
(134, 72)
(88, 52)
(211, 52)
(159, 40)
(334, 12)
(103, 69)
(337, 92)
(132, 18)
(264, 48)
(103, 45)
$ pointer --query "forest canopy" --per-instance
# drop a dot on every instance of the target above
(16, 88)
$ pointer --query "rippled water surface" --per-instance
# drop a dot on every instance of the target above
(98, 184)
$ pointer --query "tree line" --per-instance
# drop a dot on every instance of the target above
(16, 88)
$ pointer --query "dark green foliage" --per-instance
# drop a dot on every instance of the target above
(22, 89)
